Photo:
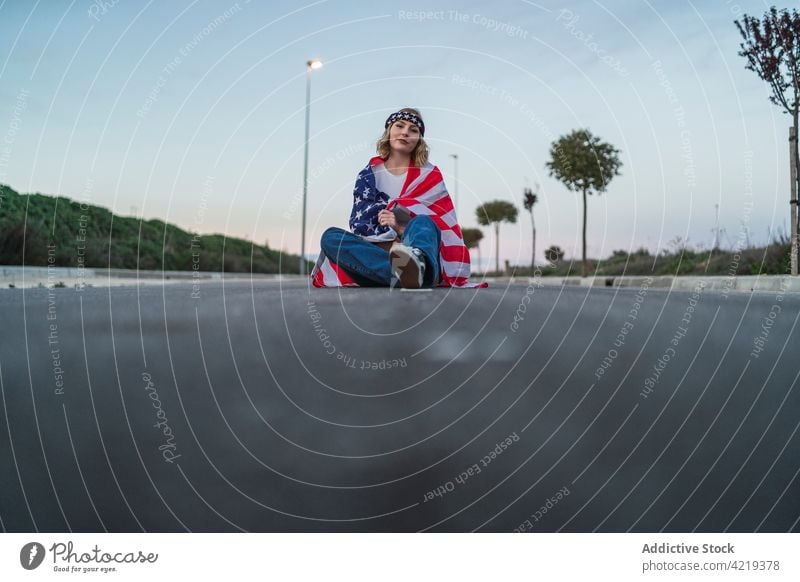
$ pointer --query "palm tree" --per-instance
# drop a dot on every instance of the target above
(583, 164)
(530, 200)
(495, 212)
(472, 239)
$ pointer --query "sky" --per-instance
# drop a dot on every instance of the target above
(193, 112)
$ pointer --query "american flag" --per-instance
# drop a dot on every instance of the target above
(367, 203)
(424, 192)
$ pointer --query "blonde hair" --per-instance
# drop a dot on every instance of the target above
(421, 151)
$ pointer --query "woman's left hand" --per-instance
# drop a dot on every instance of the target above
(387, 218)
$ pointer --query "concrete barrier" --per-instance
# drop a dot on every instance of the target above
(741, 283)
(19, 276)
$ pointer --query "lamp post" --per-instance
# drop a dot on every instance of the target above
(455, 161)
(310, 66)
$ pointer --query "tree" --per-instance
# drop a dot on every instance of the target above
(472, 239)
(772, 49)
(585, 164)
(530, 200)
(495, 212)
(554, 254)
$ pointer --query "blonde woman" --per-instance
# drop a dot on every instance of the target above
(403, 227)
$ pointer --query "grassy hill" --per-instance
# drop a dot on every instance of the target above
(36, 229)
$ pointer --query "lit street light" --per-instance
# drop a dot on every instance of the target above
(455, 159)
(310, 66)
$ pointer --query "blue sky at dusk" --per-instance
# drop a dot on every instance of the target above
(193, 112)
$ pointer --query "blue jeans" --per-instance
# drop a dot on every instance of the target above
(368, 264)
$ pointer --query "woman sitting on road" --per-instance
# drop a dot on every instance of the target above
(403, 227)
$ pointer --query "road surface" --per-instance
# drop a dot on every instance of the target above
(273, 406)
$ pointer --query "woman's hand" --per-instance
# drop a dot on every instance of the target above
(387, 218)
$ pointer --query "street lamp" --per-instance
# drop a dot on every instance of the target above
(310, 66)
(455, 160)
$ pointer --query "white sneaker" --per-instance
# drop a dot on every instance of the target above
(408, 266)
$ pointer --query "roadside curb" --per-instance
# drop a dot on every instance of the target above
(27, 277)
(741, 283)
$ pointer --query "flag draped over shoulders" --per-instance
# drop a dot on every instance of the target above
(424, 192)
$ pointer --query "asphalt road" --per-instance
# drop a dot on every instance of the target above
(275, 407)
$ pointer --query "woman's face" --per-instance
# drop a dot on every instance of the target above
(403, 136)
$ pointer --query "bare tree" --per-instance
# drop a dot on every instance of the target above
(772, 49)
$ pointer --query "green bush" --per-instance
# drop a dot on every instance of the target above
(773, 259)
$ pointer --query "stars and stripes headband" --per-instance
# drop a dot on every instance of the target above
(405, 116)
